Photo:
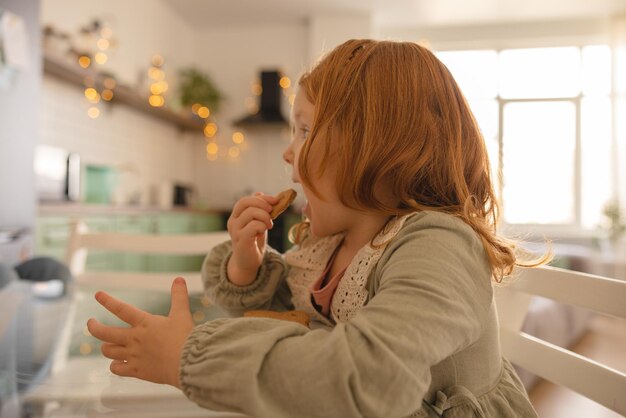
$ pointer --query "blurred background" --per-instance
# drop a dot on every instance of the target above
(155, 116)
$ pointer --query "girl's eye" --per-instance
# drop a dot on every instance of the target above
(305, 133)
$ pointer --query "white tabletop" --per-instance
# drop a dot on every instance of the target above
(86, 388)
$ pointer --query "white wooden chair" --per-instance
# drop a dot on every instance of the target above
(78, 383)
(587, 377)
(81, 241)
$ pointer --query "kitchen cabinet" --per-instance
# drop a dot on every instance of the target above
(53, 233)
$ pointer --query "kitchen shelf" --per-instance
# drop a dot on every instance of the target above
(73, 74)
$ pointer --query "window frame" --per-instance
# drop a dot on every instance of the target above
(571, 230)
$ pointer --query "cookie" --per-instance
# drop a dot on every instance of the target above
(300, 317)
(285, 199)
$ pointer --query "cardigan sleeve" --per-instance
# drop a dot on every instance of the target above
(268, 291)
(434, 293)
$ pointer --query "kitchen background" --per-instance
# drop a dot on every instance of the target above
(146, 163)
(140, 156)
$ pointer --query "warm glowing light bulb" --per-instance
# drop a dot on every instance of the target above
(212, 148)
(109, 83)
(106, 32)
(256, 89)
(107, 95)
(93, 112)
(101, 58)
(238, 137)
(91, 93)
(155, 73)
(85, 348)
(157, 60)
(198, 316)
(164, 86)
(195, 107)
(156, 101)
(95, 99)
(285, 82)
(204, 112)
(155, 88)
(84, 61)
(233, 152)
(210, 130)
(103, 43)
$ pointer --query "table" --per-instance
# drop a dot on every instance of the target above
(87, 389)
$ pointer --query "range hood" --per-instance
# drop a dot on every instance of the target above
(269, 113)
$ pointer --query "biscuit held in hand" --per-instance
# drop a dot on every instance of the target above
(300, 317)
(285, 198)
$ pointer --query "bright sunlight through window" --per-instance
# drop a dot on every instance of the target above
(548, 111)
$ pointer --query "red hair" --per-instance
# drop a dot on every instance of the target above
(392, 115)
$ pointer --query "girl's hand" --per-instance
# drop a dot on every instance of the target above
(247, 226)
(151, 348)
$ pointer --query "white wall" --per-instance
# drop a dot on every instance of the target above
(504, 35)
(122, 137)
(234, 56)
(142, 27)
(326, 32)
(18, 127)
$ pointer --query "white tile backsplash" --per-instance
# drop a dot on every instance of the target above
(140, 146)
(157, 152)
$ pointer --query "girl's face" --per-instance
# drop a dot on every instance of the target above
(327, 216)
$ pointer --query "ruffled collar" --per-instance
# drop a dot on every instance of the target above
(309, 260)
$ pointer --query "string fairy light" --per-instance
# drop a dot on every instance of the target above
(158, 85)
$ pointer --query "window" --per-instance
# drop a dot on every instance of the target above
(545, 114)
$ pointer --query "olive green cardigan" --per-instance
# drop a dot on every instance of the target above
(425, 342)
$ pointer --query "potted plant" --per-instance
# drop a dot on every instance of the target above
(196, 87)
(614, 222)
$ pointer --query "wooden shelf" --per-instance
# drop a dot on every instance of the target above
(76, 75)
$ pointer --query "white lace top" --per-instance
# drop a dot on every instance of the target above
(308, 262)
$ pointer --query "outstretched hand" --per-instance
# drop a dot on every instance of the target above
(151, 348)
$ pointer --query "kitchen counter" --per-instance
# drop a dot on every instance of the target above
(68, 209)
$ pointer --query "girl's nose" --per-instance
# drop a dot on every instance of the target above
(288, 155)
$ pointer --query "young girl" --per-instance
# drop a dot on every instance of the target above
(394, 265)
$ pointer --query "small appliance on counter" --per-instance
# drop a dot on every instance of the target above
(172, 194)
(57, 174)
(182, 194)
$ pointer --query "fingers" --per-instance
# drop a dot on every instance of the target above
(180, 297)
(123, 311)
(253, 230)
(115, 335)
(122, 368)
(260, 202)
(250, 214)
(114, 351)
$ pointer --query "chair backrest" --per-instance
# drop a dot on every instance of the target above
(81, 241)
(587, 377)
